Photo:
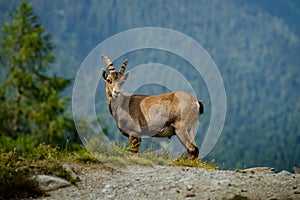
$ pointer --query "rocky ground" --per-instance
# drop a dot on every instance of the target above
(166, 182)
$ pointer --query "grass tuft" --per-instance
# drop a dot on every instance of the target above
(85, 157)
(192, 162)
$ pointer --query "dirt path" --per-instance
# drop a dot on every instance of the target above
(165, 182)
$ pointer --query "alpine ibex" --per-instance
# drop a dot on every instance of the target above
(164, 115)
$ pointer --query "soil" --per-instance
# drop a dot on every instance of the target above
(170, 182)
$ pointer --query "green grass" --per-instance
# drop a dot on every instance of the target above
(118, 155)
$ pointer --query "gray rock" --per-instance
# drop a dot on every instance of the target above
(189, 187)
(68, 169)
(190, 194)
(259, 169)
(162, 187)
(296, 170)
(48, 183)
(284, 173)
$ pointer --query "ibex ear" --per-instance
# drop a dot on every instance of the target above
(104, 75)
(126, 76)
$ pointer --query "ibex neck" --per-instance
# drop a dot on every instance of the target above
(115, 103)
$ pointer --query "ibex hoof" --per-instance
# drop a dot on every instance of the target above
(194, 153)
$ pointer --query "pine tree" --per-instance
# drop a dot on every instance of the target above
(30, 101)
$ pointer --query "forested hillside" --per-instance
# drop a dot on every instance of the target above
(255, 45)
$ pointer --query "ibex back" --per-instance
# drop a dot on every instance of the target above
(164, 115)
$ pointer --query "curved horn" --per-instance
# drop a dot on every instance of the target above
(123, 68)
(109, 64)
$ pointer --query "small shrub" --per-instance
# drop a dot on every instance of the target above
(84, 156)
(18, 168)
(45, 152)
(15, 178)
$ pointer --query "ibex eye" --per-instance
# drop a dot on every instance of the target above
(109, 80)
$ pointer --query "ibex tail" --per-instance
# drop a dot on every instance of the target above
(201, 108)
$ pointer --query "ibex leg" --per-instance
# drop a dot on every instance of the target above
(187, 141)
(135, 143)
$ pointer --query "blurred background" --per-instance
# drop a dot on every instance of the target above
(255, 45)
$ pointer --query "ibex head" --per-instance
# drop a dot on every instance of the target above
(113, 79)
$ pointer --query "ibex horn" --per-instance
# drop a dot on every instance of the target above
(109, 64)
(122, 70)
